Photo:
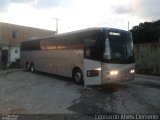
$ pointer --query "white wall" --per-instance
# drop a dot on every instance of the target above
(14, 54)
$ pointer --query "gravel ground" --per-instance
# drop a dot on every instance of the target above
(25, 92)
(38, 93)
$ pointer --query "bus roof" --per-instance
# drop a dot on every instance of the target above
(77, 32)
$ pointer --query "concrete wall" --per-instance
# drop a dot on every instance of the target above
(12, 35)
(14, 54)
(147, 56)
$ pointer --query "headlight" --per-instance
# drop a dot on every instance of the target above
(113, 72)
(132, 71)
(99, 69)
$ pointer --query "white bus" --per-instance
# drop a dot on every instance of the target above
(91, 56)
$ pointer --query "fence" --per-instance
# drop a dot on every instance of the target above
(147, 56)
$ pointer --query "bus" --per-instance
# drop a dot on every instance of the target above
(92, 56)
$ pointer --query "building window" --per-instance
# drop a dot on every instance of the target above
(16, 51)
(14, 34)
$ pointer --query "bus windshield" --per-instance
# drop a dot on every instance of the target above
(120, 47)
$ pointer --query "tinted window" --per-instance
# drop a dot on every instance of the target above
(50, 44)
(92, 50)
(31, 45)
(120, 47)
(43, 44)
(63, 43)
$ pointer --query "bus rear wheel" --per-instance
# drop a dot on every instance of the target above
(27, 66)
(78, 76)
(32, 69)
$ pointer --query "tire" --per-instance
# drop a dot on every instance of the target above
(32, 69)
(27, 66)
(78, 76)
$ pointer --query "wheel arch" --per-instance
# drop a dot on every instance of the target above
(75, 71)
(76, 68)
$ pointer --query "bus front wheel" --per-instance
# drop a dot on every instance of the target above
(78, 76)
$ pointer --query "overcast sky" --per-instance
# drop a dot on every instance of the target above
(79, 14)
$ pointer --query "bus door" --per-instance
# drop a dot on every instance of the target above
(92, 66)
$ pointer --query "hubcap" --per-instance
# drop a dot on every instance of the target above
(32, 69)
(78, 77)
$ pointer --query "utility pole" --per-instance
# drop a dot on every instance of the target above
(128, 25)
(57, 20)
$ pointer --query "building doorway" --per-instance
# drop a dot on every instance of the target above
(4, 58)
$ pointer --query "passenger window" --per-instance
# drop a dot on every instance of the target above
(43, 44)
(50, 44)
(92, 49)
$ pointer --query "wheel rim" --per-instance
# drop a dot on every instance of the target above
(32, 68)
(78, 76)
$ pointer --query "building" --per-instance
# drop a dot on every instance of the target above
(10, 38)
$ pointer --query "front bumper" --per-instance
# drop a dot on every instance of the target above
(114, 79)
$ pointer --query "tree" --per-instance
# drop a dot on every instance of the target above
(147, 32)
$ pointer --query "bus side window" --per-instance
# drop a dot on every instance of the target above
(91, 49)
(51, 44)
(43, 44)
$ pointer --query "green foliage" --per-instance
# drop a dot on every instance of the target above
(147, 32)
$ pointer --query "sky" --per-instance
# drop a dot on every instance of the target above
(79, 14)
